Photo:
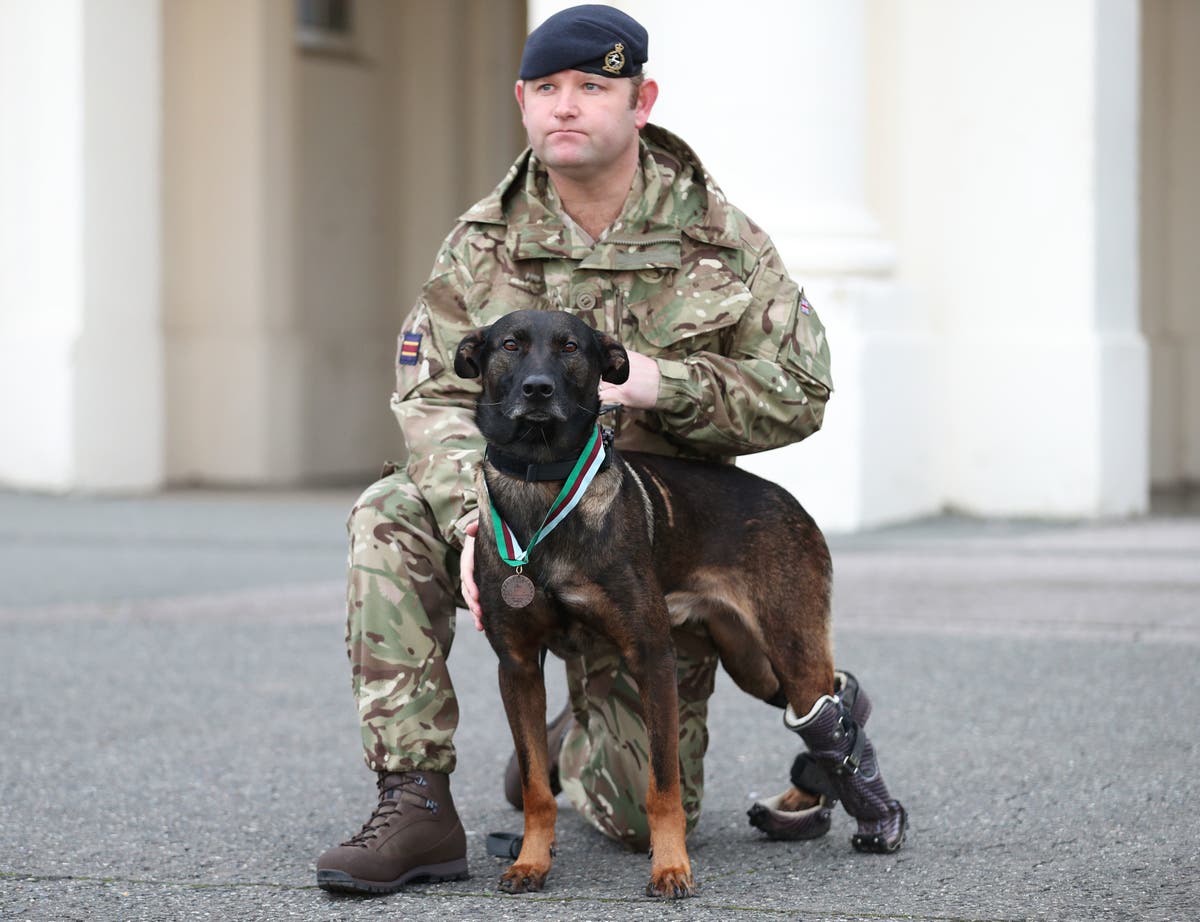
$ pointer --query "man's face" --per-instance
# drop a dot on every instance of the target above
(581, 124)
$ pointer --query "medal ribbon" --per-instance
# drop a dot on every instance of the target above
(568, 498)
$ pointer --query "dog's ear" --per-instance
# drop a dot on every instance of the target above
(614, 360)
(467, 362)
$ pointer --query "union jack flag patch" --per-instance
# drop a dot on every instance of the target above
(410, 348)
(805, 307)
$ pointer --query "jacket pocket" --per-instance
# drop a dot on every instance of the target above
(692, 312)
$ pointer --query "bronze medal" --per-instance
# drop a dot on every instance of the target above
(517, 591)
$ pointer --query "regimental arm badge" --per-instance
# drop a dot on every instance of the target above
(410, 349)
(614, 61)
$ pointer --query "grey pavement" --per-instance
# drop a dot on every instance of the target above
(179, 742)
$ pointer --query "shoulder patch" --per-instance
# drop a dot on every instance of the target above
(805, 307)
(410, 348)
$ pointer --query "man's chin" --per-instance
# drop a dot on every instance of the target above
(566, 155)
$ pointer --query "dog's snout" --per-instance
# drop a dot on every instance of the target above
(538, 386)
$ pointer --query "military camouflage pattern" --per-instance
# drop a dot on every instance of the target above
(681, 276)
(604, 760)
(403, 579)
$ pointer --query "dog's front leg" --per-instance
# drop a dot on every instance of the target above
(653, 668)
(524, 693)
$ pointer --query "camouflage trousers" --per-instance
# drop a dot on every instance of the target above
(401, 598)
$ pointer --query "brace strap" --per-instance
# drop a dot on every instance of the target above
(808, 776)
(852, 760)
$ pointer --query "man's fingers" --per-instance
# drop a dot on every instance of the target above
(466, 572)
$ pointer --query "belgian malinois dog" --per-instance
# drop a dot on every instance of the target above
(653, 541)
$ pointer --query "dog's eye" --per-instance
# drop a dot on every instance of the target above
(510, 345)
(570, 346)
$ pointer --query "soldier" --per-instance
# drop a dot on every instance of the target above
(616, 220)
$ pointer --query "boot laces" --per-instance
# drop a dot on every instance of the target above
(390, 803)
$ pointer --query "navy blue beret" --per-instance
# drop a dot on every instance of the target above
(593, 38)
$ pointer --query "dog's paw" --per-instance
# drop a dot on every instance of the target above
(523, 878)
(671, 884)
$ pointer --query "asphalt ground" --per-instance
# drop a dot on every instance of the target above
(179, 742)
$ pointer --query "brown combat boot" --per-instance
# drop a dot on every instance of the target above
(413, 834)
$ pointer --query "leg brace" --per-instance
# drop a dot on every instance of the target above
(839, 745)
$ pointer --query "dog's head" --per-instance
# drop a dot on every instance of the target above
(540, 372)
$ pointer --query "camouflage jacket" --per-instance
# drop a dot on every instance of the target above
(681, 276)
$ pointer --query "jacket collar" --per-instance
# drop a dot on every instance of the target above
(673, 195)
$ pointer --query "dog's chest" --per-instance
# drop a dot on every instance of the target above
(570, 567)
(524, 506)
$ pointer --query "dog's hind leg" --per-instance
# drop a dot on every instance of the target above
(524, 693)
(792, 629)
(740, 651)
(827, 710)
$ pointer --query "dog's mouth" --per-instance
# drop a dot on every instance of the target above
(537, 415)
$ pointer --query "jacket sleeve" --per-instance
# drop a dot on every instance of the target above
(435, 407)
(769, 389)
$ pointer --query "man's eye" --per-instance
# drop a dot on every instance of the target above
(510, 345)
(570, 346)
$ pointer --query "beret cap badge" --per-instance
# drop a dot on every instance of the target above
(614, 61)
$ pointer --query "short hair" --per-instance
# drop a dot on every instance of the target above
(635, 86)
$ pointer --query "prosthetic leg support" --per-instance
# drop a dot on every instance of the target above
(778, 816)
(833, 731)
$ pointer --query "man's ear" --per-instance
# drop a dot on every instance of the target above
(614, 360)
(647, 96)
(468, 358)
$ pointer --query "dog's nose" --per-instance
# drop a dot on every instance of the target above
(538, 386)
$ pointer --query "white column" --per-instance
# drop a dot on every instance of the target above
(772, 96)
(1013, 159)
(80, 332)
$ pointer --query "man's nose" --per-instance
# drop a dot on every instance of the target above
(538, 386)
(565, 106)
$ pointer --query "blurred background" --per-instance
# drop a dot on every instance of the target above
(214, 215)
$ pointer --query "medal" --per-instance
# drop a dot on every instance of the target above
(517, 591)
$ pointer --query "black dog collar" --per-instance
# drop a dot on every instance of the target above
(551, 470)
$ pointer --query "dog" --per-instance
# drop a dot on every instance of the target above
(654, 541)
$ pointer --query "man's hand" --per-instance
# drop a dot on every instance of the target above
(466, 571)
(640, 392)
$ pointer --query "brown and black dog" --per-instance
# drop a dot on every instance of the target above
(654, 542)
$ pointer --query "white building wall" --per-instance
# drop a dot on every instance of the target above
(996, 365)
(774, 101)
(1006, 171)
(40, 238)
(953, 181)
(80, 348)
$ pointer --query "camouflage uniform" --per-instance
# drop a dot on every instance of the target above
(681, 276)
